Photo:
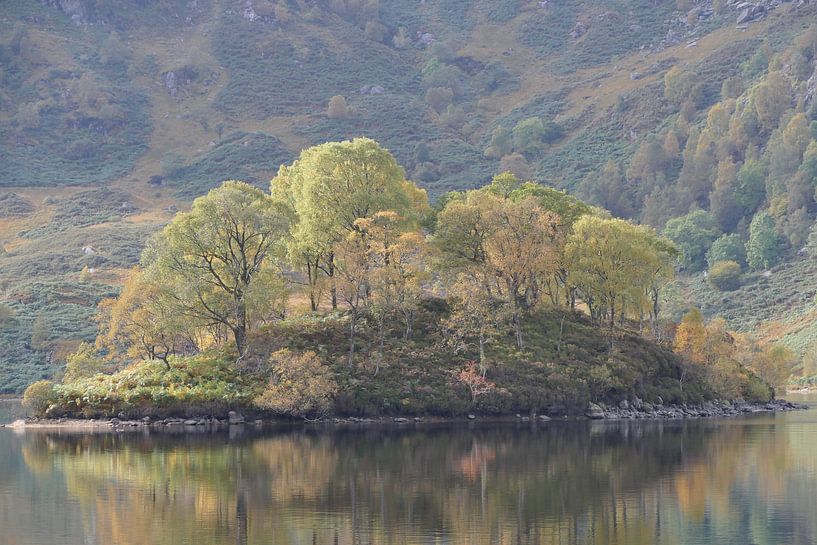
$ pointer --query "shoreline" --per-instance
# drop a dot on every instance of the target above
(594, 411)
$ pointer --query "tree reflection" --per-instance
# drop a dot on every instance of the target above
(607, 483)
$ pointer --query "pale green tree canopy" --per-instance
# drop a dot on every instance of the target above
(215, 260)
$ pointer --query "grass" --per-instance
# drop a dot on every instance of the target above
(250, 157)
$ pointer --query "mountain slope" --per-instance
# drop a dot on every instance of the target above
(115, 114)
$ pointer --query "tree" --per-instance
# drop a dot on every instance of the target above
(690, 337)
(39, 396)
(613, 191)
(328, 188)
(83, 363)
(501, 143)
(682, 86)
(751, 187)
(301, 385)
(338, 108)
(771, 98)
(727, 248)
(397, 260)
(439, 98)
(215, 259)
(528, 134)
(143, 321)
(764, 247)
(647, 163)
(693, 234)
(774, 364)
(521, 251)
(476, 315)
(476, 382)
(614, 264)
(505, 238)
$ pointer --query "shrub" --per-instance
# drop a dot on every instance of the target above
(39, 396)
(338, 108)
(724, 276)
(301, 386)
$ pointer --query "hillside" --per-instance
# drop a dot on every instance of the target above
(113, 115)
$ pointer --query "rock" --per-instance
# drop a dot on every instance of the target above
(471, 417)
(146, 419)
(624, 404)
(425, 38)
(234, 418)
(543, 418)
(401, 420)
(418, 419)
(594, 411)
(745, 16)
(171, 83)
(75, 9)
(579, 30)
(190, 422)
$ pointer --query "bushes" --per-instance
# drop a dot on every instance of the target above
(208, 383)
(39, 396)
(301, 386)
(724, 276)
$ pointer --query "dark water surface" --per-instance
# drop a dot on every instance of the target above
(732, 481)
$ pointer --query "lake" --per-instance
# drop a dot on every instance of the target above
(732, 481)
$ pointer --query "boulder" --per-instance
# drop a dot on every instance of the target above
(234, 418)
(594, 411)
(745, 16)
(624, 405)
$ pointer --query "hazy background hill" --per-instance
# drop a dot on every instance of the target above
(114, 114)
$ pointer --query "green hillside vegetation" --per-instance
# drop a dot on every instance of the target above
(481, 313)
(115, 115)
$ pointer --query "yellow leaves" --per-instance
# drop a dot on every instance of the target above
(616, 264)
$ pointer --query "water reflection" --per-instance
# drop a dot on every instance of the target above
(732, 481)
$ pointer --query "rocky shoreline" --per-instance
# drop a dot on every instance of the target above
(638, 409)
(624, 410)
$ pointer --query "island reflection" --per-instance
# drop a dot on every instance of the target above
(740, 481)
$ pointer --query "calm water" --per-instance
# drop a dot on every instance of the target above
(738, 481)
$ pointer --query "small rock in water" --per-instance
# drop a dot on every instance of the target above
(235, 417)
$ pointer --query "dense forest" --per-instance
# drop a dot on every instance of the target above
(696, 136)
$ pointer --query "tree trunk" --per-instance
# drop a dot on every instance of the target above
(333, 288)
(612, 323)
(312, 278)
(409, 316)
(352, 333)
(240, 335)
(482, 366)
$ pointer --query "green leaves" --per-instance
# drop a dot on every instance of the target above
(211, 259)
